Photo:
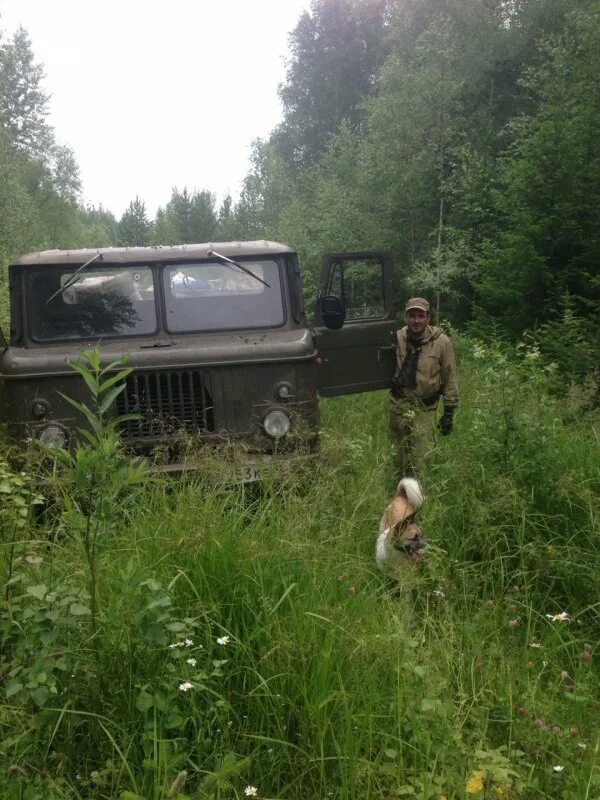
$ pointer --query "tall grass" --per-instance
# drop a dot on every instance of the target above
(310, 675)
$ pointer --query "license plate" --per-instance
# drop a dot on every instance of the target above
(249, 473)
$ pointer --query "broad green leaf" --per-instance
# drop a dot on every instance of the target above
(39, 590)
(156, 634)
(120, 376)
(161, 701)
(152, 584)
(90, 437)
(47, 637)
(175, 627)
(114, 364)
(161, 602)
(12, 688)
(144, 701)
(87, 412)
(87, 376)
(111, 397)
(174, 720)
(78, 609)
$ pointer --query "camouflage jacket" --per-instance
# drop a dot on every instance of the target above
(436, 367)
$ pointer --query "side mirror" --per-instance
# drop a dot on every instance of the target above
(333, 312)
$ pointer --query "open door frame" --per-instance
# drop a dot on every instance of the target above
(359, 356)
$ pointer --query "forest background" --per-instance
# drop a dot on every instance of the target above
(237, 644)
(463, 136)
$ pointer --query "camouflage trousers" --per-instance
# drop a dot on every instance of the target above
(411, 432)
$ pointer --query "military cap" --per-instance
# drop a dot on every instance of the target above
(417, 302)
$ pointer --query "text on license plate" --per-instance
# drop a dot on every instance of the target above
(249, 473)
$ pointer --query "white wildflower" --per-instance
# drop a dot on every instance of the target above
(439, 593)
(185, 686)
(225, 640)
(583, 745)
(175, 644)
(558, 768)
(562, 617)
(250, 791)
(191, 662)
(537, 645)
(479, 351)
(188, 642)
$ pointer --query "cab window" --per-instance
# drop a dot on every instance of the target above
(214, 296)
(91, 304)
(360, 284)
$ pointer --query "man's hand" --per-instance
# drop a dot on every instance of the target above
(446, 422)
(396, 388)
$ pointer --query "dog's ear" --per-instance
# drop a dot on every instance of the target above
(398, 528)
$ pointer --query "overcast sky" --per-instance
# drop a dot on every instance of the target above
(152, 95)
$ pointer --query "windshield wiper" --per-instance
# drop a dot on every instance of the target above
(226, 260)
(75, 276)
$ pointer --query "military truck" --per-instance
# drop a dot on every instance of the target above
(216, 336)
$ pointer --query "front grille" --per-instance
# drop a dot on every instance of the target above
(167, 403)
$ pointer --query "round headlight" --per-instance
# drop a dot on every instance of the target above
(39, 409)
(53, 437)
(276, 424)
(284, 391)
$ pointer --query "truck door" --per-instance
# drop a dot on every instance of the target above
(355, 325)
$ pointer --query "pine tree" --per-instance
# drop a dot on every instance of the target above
(203, 217)
(23, 102)
(134, 226)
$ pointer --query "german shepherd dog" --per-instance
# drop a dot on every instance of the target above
(400, 540)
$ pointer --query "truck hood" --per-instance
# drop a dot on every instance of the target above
(164, 352)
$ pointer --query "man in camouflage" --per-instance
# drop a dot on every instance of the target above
(425, 371)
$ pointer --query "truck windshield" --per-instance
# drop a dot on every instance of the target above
(110, 301)
(218, 296)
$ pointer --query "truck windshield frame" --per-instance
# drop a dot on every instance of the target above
(104, 302)
(212, 296)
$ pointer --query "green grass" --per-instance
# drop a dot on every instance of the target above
(331, 683)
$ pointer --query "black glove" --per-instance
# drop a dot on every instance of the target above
(446, 421)
(396, 388)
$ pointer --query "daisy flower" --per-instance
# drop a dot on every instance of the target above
(185, 686)
(225, 640)
(562, 617)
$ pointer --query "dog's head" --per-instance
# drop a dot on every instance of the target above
(408, 538)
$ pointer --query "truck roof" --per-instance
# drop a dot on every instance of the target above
(135, 255)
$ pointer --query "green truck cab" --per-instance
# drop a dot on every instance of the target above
(216, 337)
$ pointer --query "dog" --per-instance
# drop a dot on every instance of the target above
(400, 540)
